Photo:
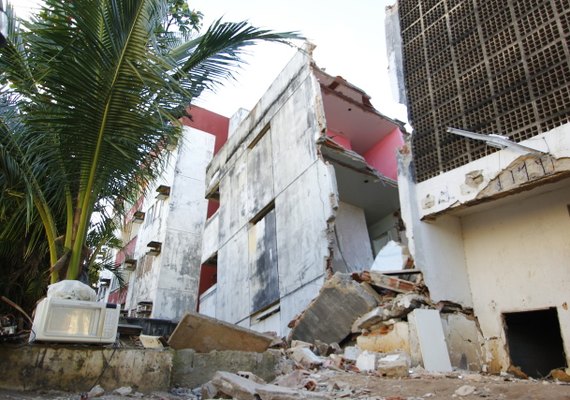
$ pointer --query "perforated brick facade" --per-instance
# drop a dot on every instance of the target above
(488, 66)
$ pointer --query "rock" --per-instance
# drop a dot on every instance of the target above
(351, 353)
(304, 356)
(251, 376)
(395, 365)
(324, 349)
(560, 375)
(227, 384)
(96, 391)
(366, 361)
(465, 390)
(295, 379)
(204, 334)
(123, 391)
(300, 343)
(330, 315)
(517, 372)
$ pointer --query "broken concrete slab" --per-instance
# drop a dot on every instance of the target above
(191, 369)
(381, 281)
(228, 384)
(395, 365)
(393, 256)
(427, 327)
(390, 338)
(330, 316)
(204, 334)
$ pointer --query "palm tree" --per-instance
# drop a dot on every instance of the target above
(93, 90)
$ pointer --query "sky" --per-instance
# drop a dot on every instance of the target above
(349, 36)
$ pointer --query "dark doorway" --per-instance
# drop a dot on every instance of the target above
(534, 340)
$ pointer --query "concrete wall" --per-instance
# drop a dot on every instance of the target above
(271, 162)
(77, 369)
(517, 256)
(492, 234)
(354, 250)
(170, 280)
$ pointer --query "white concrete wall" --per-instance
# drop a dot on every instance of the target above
(272, 159)
(451, 189)
(518, 260)
(170, 280)
(354, 241)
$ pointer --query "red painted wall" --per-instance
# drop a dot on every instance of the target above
(208, 278)
(210, 122)
(382, 155)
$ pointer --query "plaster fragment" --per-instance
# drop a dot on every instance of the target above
(428, 201)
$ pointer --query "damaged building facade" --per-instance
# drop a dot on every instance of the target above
(162, 231)
(306, 187)
(489, 227)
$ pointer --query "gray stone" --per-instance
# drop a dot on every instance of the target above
(96, 391)
(123, 391)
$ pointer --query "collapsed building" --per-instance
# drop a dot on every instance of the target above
(488, 227)
(306, 187)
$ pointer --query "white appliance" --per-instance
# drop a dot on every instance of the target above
(75, 321)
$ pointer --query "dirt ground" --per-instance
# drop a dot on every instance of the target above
(346, 385)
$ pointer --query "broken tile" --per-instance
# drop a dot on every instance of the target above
(151, 342)
(330, 316)
(204, 334)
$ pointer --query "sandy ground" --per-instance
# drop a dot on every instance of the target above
(346, 385)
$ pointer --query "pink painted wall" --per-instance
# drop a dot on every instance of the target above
(339, 139)
(382, 155)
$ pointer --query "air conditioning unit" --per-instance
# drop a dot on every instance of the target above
(163, 192)
(138, 217)
(154, 248)
(130, 264)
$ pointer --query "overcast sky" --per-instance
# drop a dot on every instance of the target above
(349, 37)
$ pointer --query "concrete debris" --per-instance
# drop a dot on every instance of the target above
(381, 281)
(560, 375)
(392, 257)
(386, 338)
(300, 343)
(123, 391)
(251, 376)
(305, 357)
(96, 391)
(465, 390)
(351, 353)
(204, 334)
(296, 379)
(325, 349)
(517, 372)
(151, 342)
(394, 365)
(398, 307)
(227, 384)
(330, 316)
